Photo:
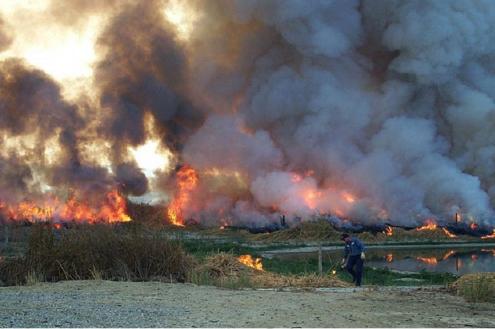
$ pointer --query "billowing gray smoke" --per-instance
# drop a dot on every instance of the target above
(374, 111)
(388, 100)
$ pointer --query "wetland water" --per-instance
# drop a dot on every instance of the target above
(453, 259)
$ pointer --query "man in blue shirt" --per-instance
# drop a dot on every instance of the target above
(353, 257)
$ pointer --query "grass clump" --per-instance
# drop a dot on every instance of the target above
(225, 270)
(96, 252)
(476, 287)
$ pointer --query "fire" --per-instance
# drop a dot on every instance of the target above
(448, 233)
(473, 226)
(348, 197)
(311, 198)
(448, 254)
(492, 251)
(429, 225)
(248, 260)
(113, 209)
(151, 158)
(388, 231)
(428, 260)
(187, 180)
(389, 258)
(489, 236)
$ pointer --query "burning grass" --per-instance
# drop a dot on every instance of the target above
(96, 251)
(476, 287)
(322, 230)
(226, 270)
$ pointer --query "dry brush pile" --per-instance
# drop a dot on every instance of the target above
(224, 269)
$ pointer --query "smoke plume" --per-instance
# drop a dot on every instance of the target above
(372, 111)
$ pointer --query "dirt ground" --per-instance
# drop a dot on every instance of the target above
(154, 304)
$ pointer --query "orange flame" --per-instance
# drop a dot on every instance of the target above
(187, 180)
(311, 198)
(473, 226)
(389, 258)
(448, 254)
(492, 251)
(112, 210)
(388, 231)
(428, 260)
(248, 260)
(489, 236)
(430, 225)
(348, 197)
(448, 233)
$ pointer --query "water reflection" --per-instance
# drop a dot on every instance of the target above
(453, 261)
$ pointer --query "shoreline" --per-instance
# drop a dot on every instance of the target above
(311, 249)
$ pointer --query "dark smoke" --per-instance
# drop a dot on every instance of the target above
(142, 70)
(377, 111)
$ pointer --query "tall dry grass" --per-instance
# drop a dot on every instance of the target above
(97, 252)
(476, 287)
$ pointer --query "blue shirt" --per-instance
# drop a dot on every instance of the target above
(353, 248)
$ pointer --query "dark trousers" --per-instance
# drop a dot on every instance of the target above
(355, 267)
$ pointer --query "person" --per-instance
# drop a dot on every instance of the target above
(353, 257)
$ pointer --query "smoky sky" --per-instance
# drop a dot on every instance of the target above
(298, 103)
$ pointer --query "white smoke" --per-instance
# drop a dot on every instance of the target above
(391, 101)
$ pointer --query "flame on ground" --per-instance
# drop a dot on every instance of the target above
(448, 233)
(428, 260)
(187, 180)
(248, 260)
(429, 225)
(448, 254)
(388, 231)
(389, 258)
(489, 236)
(492, 251)
(112, 210)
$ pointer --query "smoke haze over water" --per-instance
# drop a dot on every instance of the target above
(374, 111)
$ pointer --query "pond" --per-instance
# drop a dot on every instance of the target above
(456, 260)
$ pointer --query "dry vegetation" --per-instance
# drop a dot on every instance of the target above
(476, 287)
(92, 252)
(323, 231)
(126, 253)
(224, 269)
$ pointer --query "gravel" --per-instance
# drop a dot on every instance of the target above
(155, 304)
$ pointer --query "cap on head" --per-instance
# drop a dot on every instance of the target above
(344, 236)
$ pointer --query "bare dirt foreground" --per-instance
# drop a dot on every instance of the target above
(153, 304)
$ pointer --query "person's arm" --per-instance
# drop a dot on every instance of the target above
(346, 254)
(362, 248)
